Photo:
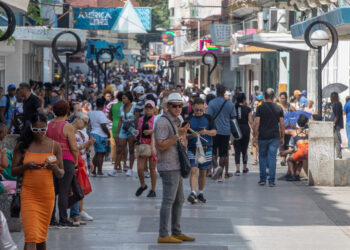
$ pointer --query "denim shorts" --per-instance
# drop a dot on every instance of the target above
(101, 144)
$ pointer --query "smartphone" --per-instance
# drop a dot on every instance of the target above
(201, 128)
(42, 165)
(185, 123)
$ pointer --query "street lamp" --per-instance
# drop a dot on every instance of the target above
(210, 59)
(317, 40)
(67, 52)
(106, 56)
(11, 22)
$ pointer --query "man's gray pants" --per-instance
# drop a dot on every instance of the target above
(173, 199)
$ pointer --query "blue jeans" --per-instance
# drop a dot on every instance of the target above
(267, 158)
(74, 211)
(348, 132)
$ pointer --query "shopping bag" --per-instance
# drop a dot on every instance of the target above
(83, 177)
(200, 155)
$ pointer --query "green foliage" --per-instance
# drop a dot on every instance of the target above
(34, 13)
(10, 40)
(160, 12)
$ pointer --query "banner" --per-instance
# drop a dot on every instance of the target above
(17, 5)
(95, 46)
(105, 18)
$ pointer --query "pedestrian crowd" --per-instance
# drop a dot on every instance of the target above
(63, 139)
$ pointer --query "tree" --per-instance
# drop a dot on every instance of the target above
(160, 12)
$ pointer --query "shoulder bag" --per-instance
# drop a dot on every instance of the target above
(183, 156)
(15, 208)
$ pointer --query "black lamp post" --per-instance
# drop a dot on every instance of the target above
(107, 57)
(11, 22)
(171, 66)
(317, 40)
(67, 52)
(210, 59)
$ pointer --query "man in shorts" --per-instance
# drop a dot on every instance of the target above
(222, 111)
(204, 126)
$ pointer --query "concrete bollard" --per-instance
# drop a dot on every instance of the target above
(321, 154)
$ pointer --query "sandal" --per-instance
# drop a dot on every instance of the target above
(228, 175)
(245, 170)
(255, 163)
(238, 173)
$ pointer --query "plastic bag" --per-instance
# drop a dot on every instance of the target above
(6, 242)
(200, 155)
(83, 177)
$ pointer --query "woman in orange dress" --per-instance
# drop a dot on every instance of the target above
(42, 159)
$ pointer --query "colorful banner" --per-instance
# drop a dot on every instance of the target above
(105, 18)
(207, 46)
(95, 46)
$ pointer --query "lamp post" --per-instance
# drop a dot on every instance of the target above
(210, 59)
(317, 40)
(11, 22)
(138, 58)
(161, 64)
(106, 56)
(67, 52)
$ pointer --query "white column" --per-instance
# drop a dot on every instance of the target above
(47, 65)
(14, 65)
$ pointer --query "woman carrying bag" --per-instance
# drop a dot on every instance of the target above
(147, 150)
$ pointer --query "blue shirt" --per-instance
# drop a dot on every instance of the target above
(347, 111)
(303, 100)
(222, 121)
(197, 122)
(8, 114)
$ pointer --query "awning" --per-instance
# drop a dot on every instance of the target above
(186, 58)
(275, 41)
(339, 18)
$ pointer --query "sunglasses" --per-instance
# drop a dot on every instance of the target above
(198, 110)
(38, 130)
(176, 106)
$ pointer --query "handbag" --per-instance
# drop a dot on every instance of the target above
(185, 164)
(235, 129)
(78, 193)
(15, 207)
(145, 150)
(83, 177)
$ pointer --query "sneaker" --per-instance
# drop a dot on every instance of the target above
(66, 224)
(217, 172)
(129, 172)
(238, 173)
(262, 183)
(168, 239)
(112, 173)
(220, 179)
(289, 177)
(151, 194)
(147, 175)
(140, 190)
(296, 178)
(192, 198)
(84, 216)
(75, 223)
(272, 185)
(201, 198)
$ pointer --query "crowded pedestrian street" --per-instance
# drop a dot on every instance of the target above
(239, 215)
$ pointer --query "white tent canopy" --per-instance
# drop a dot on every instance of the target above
(128, 21)
(17, 5)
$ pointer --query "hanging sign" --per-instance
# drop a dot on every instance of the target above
(168, 37)
(95, 46)
(207, 46)
(105, 18)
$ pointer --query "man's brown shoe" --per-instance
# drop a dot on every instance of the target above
(183, 237)
(169, 239)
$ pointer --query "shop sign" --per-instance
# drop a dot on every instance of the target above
(207, 46)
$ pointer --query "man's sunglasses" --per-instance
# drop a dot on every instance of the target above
(37, 130)
(176, 106)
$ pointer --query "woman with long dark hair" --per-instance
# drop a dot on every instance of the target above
(62, 132)
(37, 158)
(126, 125)
(245, 121)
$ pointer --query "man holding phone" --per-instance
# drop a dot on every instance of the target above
(204, 126)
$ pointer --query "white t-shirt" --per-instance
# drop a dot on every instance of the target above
(97, 118)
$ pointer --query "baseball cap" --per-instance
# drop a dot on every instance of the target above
(297, 92)
(304, 92)
(139, 90)
(150, 102)
(11, 87)
(175, 97)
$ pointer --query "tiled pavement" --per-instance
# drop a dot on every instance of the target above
(239, 215)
